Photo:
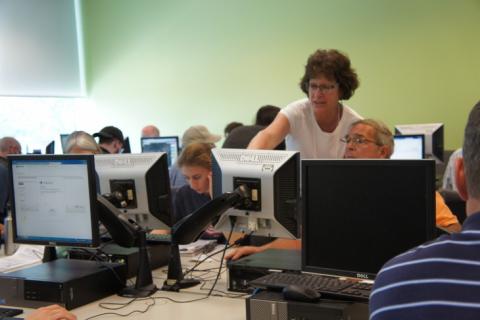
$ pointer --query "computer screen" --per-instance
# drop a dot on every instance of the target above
(409, 146)
(50, 148)
(433, 133)
(54, 200)
(141, 185)
(358, 214)
(64, 140)
(274, 180)
(162, 144)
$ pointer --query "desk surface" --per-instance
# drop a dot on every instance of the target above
(173, 305)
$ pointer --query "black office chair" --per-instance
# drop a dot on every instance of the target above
(455, 203)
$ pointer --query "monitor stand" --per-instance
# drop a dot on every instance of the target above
(49, 254)
(175, 280)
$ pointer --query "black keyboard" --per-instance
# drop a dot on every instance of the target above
(9, 312)
(329, 287)
(158, 238)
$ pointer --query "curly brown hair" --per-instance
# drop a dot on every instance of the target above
(334, 65)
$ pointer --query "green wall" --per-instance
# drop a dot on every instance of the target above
(177, 63)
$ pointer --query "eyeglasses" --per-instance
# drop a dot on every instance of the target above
(321, 88)
(357, 140)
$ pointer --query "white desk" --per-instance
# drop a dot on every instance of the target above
(219, 307)
(213, 307)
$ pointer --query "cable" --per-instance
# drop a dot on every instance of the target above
(221, 260)
(102, 305)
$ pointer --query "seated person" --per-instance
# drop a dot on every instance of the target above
(195, 163)
(439, 279)
(8, 145)
(81, 142)
(367, 139)
(150, 131)
(194, 134)
(229, 127)
(449, 174)
(110, 139)
(240, 137)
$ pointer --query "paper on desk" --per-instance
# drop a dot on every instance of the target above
(24, 256)
(197, 247)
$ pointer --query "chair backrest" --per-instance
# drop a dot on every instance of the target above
(455, 203)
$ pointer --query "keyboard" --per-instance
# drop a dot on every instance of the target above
(329, 287)
(158, 238)
(9, 312)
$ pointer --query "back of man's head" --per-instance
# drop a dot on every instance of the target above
(9, 145)
(266, 115)
(471, 152)
(150, 131)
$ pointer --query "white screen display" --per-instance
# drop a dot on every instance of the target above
(52, 200)
(408, 148)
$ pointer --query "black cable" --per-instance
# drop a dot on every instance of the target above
(177, 301)
(102, 305)
(207, 257)
(221, 260)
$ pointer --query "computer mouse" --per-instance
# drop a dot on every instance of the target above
(299, 293)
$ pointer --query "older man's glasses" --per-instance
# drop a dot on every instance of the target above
(357, 140)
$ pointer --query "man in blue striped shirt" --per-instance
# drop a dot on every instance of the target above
(440, 279)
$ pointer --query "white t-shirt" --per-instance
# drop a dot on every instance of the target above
(307, 137)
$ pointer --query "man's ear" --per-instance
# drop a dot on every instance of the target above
(460, 179)
(385, 152)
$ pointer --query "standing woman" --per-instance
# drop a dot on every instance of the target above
(315, 125)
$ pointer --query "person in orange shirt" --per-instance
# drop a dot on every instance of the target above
(366, 139)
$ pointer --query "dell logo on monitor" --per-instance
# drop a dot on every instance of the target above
(362, 276)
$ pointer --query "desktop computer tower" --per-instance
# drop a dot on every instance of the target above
(69, 283)
(242, 271)
(271, 305)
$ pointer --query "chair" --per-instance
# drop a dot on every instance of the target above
(455, 203)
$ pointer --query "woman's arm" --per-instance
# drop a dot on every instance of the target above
(271, 136)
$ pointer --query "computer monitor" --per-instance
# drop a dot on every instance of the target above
(358, 214)
(50, 148)
(54, 200)
(162, 144)
(409, 146)
(433, 133)
(140, 184)
(126, 145)
(64, 140)
(273, 178)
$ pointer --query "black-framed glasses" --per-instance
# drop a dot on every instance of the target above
(357, 140)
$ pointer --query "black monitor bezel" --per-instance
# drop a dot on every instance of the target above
(406, 136)
(92, 195)
(49, 146)
(64, 145)
(429, 166)
(126, 146)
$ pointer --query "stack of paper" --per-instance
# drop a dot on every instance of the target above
(25, 255)
(197, 247)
